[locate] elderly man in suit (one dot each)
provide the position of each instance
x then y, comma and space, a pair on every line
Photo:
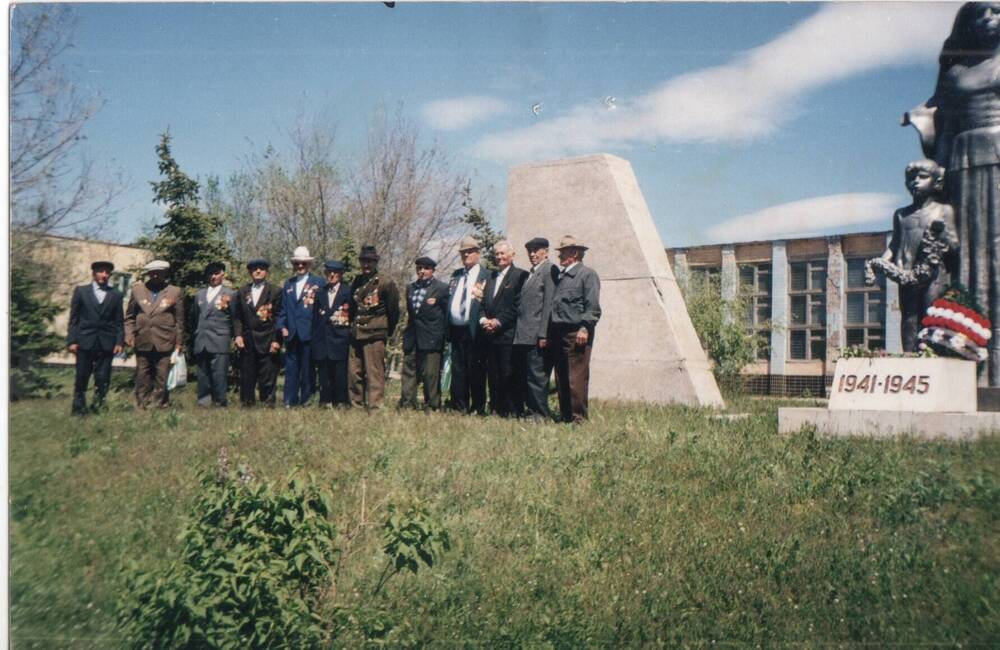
575, 311
468, 343
154, 326
257, 337
424, 336
499, 321
96, 334
215, 307
295, 318
533, 357
374, 315
331, 333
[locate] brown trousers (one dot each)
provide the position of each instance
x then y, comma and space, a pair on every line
420, 366
151, 370
572, 364
366, 373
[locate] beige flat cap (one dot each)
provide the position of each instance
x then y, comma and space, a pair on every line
157, 265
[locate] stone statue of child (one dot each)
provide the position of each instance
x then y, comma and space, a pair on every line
922, 247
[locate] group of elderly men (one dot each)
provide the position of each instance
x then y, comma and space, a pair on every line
508, 329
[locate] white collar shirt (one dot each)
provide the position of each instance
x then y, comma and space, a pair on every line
500, 277
99, 292
300, 283
213, 293
256, 290
462, 300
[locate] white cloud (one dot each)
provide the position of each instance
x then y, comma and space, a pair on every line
834, 213
460, 112
749, 97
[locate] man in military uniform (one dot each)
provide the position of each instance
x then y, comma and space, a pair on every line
374, 312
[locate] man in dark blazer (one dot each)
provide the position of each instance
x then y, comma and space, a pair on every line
96, 334
468, 343
215, 307
533, 358
331, 333
295, 319
498, 322
154, 326
424, 336
257, 337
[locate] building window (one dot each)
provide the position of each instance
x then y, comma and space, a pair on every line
807, 310
864, 316
121, 281
755, 288
699, 276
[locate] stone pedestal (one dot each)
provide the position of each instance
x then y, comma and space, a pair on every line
645, 347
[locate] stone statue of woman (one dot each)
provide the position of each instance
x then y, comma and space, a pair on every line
959, 128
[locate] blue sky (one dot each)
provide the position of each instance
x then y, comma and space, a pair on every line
742, 121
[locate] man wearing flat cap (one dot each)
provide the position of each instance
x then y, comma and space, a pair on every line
295, 318
575, 311
533, 357
469, 346
424, 336
331, 335
154, 326
374, 314
215, 307
96, 334
257, 337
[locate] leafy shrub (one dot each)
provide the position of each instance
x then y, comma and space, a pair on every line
255, 567
721, 327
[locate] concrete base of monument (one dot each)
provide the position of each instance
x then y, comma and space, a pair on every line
891, 424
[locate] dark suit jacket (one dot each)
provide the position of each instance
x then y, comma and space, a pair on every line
330, 341
155, 325
256, 322
214, 327
503, 306
475, 308
427, 328
296, 315
94, 325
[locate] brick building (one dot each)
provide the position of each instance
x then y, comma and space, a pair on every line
813, 293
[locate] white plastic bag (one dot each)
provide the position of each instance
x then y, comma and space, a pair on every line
178, 371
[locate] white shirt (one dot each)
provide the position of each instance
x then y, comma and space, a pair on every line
99, 292
562, 271
213, 293
300, 284
500, 277
255, 290
462, 300
332, 293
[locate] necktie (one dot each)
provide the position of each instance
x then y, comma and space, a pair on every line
465, 296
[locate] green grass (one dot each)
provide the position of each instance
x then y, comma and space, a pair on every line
645, 526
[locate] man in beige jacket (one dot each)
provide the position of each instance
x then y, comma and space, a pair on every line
154, 327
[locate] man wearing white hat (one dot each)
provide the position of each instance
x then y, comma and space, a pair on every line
294, 321
154, 326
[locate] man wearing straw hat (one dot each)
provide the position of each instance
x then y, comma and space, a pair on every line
575, 311
295, 316
154, 326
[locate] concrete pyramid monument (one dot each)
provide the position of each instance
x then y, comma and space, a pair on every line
645, 347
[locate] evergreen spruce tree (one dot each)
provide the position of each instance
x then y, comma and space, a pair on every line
31, 337
476, 217
189, 238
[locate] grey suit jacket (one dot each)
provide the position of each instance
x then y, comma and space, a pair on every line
535, 305
214, 329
